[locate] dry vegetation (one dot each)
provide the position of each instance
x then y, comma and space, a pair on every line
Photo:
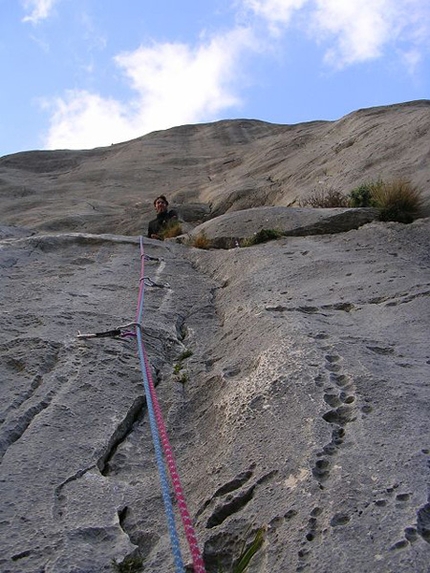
325, 198
174, 229
397, 200
200, 241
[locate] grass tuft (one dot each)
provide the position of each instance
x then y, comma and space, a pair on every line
398, 200
173, 229
248, 553
200, 241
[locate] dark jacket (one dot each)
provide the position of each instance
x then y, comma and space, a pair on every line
157, 226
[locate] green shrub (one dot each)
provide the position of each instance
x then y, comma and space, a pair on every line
263, 236
362, 196
325, 199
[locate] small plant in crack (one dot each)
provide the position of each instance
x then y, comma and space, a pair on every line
177, 368
242, 562
248, 552
185, 354
131, 564
181, 377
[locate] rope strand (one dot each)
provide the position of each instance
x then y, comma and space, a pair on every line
158, 430
174, 540
197, 558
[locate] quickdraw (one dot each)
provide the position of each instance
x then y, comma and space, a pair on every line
118, 332
149, 282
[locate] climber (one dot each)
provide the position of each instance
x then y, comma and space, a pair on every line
164, 217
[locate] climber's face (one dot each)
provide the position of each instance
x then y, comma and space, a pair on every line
160, 206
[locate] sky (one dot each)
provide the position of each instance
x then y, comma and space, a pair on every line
80, 74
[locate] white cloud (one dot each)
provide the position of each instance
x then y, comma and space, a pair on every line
360, 29
81, 120
351, 31
367, 29
174, 85
411, 60
277, 13
39, 10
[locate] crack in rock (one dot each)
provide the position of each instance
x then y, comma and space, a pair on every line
223, 511
60, 498
234, 484
14, 429
123, 429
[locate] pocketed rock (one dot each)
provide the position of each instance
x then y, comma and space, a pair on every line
304, 411
292, 375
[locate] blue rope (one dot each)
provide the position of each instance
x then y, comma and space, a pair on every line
174, 540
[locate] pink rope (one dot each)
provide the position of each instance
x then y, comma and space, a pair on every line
183, 509
196, 555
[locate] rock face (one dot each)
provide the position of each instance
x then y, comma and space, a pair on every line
292, 375
233, 229
220, 167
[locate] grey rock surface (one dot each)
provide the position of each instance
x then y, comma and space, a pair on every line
236, 227
305, 410
293, 375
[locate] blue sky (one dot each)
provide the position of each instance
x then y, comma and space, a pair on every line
79, 74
